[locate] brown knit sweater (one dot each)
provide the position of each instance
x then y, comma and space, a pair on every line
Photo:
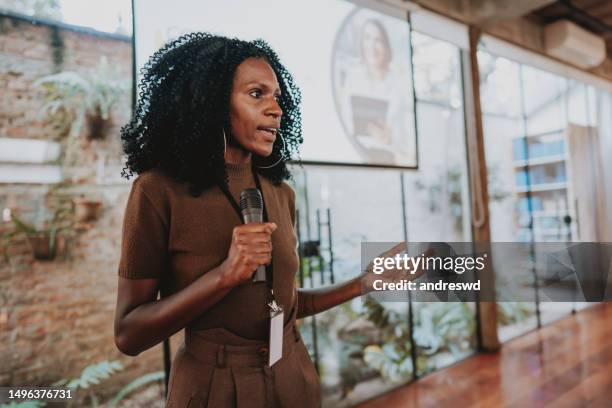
171, 236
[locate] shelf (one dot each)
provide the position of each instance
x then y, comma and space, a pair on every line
534, 188
547, 231
539, 239
539, 161
548, 133
544, 214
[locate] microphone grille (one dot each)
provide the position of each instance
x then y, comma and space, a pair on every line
250, 198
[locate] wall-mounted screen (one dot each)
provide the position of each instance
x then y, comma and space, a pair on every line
352, 63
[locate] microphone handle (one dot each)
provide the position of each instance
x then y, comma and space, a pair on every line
249, 217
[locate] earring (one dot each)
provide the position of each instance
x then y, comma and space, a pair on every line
224, 143
279, 159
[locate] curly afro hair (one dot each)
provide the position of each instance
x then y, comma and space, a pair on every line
183, 107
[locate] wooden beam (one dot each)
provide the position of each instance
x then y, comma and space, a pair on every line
487, 311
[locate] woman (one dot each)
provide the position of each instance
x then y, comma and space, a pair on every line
216, 116
378, 107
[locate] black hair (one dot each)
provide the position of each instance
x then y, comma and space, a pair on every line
183, 107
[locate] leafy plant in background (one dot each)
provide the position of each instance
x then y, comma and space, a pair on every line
448, 185
23, 404
438, 327
136, 384
514, 312
37, 8
391, 357
93, 376
445, 187
43, 241
90, 377
53, 220
443, 326
72, 99
511, 312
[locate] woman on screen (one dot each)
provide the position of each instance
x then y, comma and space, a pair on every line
377, 105
216, 116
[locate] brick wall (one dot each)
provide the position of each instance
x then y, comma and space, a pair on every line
56, 317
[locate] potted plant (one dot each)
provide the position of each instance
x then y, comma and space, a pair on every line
73, 100
42, 242
86, 208
47, 231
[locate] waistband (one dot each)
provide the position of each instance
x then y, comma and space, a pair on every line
208, 348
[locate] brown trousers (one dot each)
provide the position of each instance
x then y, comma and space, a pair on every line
215, 368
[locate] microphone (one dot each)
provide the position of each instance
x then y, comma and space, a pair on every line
251, 206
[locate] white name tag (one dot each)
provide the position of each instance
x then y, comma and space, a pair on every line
276, 335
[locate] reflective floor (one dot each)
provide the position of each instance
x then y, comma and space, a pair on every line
565, 364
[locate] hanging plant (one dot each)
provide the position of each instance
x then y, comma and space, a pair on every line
42, 242
73, 100
47, 231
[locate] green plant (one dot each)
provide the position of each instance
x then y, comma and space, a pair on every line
52, 220
90, 377
24, 404
135, 384
447, 187
391, 357
444, 326
438, 327
71, 98
514, 312
393, 363
43, 242
7, 238
93, 375
50, 9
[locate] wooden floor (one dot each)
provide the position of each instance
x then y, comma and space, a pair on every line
565, 364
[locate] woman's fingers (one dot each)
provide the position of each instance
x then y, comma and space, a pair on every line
259, 248
251, 247
254, 238
266, 227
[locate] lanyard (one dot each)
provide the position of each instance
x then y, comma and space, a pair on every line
235, 205
230, 198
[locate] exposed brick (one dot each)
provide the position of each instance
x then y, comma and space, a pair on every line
56, 317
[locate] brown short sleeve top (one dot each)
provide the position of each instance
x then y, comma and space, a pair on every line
174, 237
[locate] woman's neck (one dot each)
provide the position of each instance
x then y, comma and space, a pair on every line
237, 155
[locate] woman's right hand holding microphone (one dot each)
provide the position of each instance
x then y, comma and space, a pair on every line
251, 246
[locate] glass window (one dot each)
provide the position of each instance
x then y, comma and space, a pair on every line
438, 206
502, 124
363, 348
528, 162
355, 347
543, 97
